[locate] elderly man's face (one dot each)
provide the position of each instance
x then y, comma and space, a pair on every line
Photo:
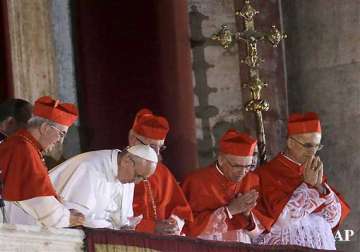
235, 167
135, 170
143, 171
51, 134
303, 146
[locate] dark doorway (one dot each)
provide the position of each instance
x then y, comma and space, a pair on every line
129, 55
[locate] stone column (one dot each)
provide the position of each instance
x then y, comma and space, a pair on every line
64, 66
32, 50
323, 60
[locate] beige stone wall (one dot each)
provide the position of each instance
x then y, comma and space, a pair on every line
323, 60
32, 49
218, 93
218, 76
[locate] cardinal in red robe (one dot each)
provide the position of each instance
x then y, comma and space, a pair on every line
159, 199
29, 194
301, 206
223, 195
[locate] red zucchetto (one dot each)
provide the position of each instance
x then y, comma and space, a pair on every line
149, 125
303, 123
236, 143
54, 110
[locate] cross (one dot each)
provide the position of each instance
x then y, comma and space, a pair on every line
227, 38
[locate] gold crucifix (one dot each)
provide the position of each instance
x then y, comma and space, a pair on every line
227, 38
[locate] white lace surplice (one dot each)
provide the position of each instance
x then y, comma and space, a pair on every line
217, 228
298, 224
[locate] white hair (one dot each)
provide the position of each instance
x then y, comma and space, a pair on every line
36, 121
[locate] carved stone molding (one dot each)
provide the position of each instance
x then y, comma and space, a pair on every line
39, 239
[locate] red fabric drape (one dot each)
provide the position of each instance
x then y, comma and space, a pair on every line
117, 64
131, 55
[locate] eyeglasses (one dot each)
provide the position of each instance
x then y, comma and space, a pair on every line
62, 133
236, 166
153, 146
309, 145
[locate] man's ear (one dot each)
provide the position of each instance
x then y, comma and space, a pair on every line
129, 160
289, 143
126, 164
43, 128
220, 159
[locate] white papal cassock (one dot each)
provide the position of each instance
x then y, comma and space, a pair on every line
88, 183
45, 211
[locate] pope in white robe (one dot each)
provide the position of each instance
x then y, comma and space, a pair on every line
100, 184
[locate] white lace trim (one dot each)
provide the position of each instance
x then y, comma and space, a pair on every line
217, 229
298, 225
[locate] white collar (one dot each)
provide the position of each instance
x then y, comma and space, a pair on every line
114, 158
289, 158
217, 168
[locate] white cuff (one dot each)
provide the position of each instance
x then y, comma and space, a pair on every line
47, 210
180, 222
228, 213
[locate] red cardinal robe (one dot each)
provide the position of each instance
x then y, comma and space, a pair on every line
23, 171
207, 190
278, 180
168, 199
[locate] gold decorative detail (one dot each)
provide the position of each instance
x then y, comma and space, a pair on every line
120, 248
255, 86
252, 59
248, 12
250, 36
224, 36
148, 189
256, 104
274, 37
